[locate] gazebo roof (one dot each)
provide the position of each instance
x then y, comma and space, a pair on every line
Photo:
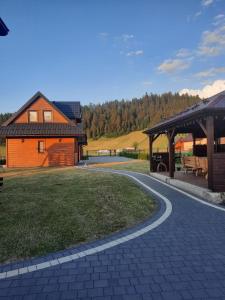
183, 121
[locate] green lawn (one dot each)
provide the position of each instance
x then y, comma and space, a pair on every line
141, 166
50, 211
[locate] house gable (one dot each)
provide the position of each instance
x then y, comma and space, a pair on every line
41, 105
38, 103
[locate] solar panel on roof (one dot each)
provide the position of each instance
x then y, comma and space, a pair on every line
70, 109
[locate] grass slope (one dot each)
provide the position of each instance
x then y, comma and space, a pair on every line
141, 166
50, 211
125, 141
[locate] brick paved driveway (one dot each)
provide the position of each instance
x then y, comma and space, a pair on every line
183, 258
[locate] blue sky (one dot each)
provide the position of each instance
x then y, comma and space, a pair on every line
98, 50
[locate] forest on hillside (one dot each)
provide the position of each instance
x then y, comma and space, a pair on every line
4, 117
115, 118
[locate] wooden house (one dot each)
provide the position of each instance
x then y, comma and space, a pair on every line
44, 133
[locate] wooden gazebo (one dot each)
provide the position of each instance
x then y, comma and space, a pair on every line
203, 120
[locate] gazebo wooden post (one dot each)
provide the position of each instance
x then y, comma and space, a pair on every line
210, 149
170, 136
194, 143
150, 152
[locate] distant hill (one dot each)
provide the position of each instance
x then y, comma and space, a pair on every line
115, 118
126, 141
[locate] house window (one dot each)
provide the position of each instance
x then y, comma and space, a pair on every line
32, 116
47, 116
41, 147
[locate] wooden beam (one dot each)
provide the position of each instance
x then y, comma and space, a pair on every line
171, 133
156, 136
210, 149
203, 127
150, 152
194, 142
170, 136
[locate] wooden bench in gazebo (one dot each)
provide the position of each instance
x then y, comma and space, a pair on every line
195, 164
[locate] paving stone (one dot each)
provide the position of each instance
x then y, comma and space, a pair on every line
68, 295
119, 290
82, 294
96, 292
101, 283
171, 296
50, 288
30, 297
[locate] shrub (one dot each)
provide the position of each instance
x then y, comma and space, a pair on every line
143, 155
2, 162
134, 155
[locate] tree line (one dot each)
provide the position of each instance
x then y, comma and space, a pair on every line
3, 118
114, 118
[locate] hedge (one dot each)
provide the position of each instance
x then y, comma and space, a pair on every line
134, 155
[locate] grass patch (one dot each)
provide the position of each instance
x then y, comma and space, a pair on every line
50, 211
141, 166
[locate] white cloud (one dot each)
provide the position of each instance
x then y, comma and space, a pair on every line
127, 37
103, 34
209, 51
183, 52
147, 83
173, 66
212, 42
198, 13
214, 37
207, 91
210, 72
207, 2
135, 53
219, 19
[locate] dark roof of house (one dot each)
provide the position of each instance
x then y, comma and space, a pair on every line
3, 29
214, 103
41, 129
70, 108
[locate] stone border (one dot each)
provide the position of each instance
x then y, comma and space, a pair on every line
173, 187
191, 188
93, 250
